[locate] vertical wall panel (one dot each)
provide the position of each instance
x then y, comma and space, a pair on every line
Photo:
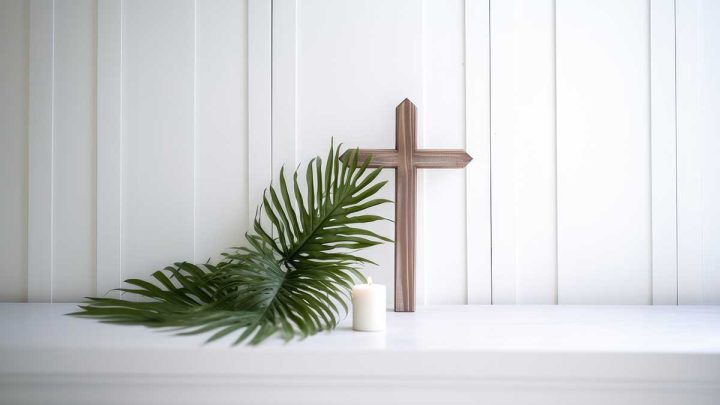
14, 26
477, 144
603, 146
698, 125
523, 152
284, 82
158, 134
443, 116
502, 51
535, 177
109, 146
711, 167
689, 151
40, 151
259, 87
221, 112
74, 150
662, 127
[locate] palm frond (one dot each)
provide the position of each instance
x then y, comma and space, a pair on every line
293, 278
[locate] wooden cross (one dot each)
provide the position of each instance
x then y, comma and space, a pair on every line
406, 158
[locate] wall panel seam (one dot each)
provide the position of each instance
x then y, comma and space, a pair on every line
555, 158
677, 233
420, 236
195, 126
52, 156
650, 143
490, 155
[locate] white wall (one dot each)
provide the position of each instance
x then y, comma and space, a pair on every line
137, 140
352, 63
569, 110
137, 133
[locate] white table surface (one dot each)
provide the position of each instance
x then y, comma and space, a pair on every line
455, 348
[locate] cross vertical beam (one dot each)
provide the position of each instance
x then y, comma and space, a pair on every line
405, 207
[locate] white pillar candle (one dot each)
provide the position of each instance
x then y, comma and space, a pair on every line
368, 301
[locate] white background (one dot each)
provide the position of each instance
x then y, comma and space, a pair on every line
136, 133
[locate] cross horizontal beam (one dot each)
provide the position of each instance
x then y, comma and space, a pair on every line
422, 159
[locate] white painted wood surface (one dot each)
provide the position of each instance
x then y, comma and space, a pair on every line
221, 113
664, 152
441, 354
698, 144
284, 86
158, 134
74, 146
109, 146
14, 29
259, 87
190, 106
40, 150
522, 86
442, 250
477, 143
603, 152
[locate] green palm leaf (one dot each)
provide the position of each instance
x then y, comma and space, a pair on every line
292, 279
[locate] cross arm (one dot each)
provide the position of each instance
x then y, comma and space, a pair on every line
441, 158
380, 157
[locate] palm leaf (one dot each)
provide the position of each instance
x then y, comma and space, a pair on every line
292, 279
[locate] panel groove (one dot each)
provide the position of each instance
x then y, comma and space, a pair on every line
52, 157
555, 157
195, 129
421, 275
490, 155
675, 117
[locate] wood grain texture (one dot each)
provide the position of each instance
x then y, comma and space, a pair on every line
405, 207
406, 159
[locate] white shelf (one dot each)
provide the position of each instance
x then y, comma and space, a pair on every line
451, 354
